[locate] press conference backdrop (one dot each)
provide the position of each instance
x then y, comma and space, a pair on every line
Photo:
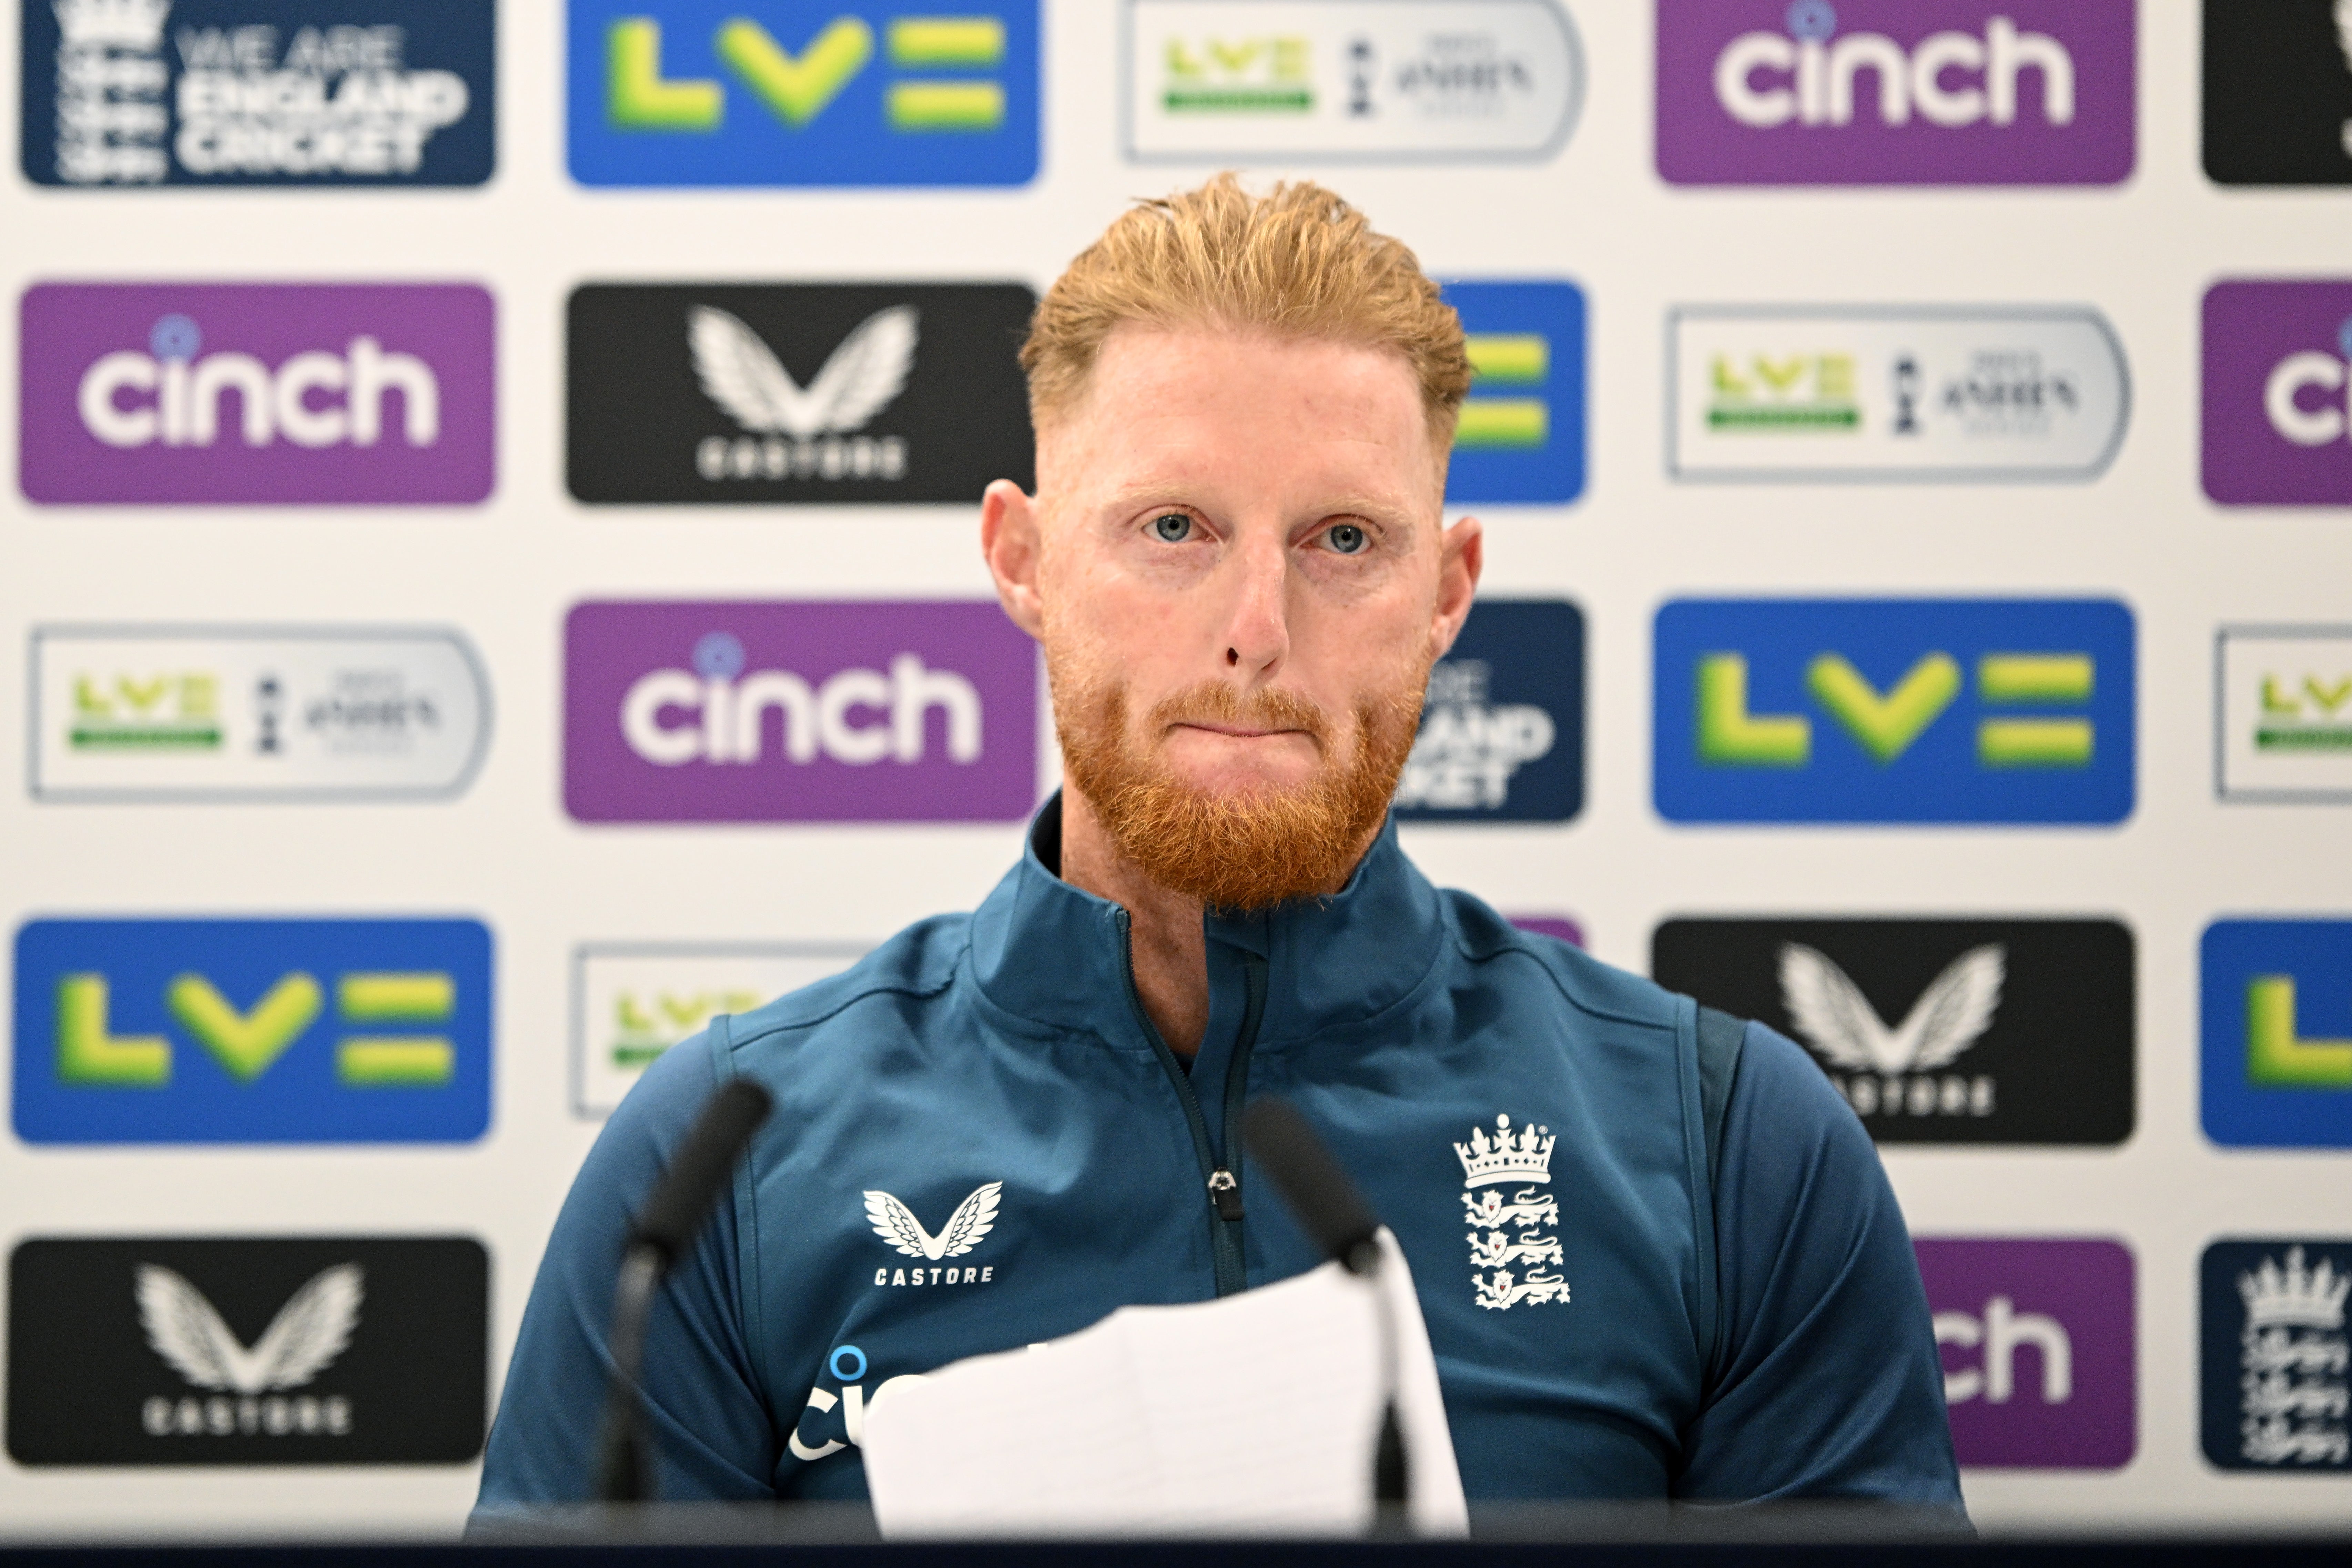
490, 572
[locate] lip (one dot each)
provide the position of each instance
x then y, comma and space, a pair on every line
1235, 731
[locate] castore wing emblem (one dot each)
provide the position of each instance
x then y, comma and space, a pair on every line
972, 1220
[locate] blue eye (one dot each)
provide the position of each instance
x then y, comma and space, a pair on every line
1347, 538
1172, 527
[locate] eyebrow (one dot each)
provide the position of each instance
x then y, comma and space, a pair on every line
1396, 509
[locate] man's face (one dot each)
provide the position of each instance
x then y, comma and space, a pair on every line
1240, 578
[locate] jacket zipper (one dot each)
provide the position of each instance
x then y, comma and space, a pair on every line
1221, 1179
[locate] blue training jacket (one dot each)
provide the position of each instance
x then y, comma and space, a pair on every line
980, 1142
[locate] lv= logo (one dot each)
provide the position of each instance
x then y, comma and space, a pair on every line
798, 87
1885, 723
247, 1043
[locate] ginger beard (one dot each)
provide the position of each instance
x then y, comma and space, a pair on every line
1235, 850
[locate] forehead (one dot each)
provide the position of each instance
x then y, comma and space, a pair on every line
1176, 402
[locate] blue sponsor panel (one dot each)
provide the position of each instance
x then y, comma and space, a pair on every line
1502, 729
1520, 439
2275, 1041
252, 1031
802, 92
1920, 710
125, 93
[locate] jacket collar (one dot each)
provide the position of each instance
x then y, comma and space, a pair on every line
1055, 955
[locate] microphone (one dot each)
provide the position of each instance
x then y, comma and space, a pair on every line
663, 1228
1336, 1218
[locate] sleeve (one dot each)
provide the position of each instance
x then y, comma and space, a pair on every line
713, 1436
1826, 1383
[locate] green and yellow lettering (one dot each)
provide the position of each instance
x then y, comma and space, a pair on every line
88, 1054
797, 89
2277, 1057
246, 1043
1886, 726
1730, 736
637, 95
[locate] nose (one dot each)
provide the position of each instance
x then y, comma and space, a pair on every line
1257, 630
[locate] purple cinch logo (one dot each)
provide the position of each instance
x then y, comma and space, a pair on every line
267, 393
1895, 91
2037, 1341
2278, 393
750, 711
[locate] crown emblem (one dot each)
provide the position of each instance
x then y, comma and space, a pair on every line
2313, 1297
126, 24
1506, 1155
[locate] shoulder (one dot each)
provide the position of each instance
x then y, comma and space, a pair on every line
1778, 1094
1503, 954
914, 966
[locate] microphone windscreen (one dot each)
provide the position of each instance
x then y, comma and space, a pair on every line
1326, 1204
705, 1158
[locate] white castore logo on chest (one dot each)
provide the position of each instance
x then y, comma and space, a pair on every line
1512, 1259
966, 1228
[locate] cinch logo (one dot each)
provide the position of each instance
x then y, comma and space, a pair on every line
2277, 377
1895, 91
174, 393
1404, 81
284, 1351
258, 92
787, 712
204, 393
1893, 711
795, 392
1955, 393
2284, 697
2276, 1391
1935, 1031
2278, 93
252, 1031
227, 712
718, 720
2277, 1033
802, 92
2037, 1343
1521, 439
1502, 725
635, 1001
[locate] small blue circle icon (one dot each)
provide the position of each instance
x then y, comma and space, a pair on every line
2344, 337
719, 656
847, 1374
175, 337
1811, 19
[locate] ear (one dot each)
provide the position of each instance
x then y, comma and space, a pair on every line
1461, 555
1008, 542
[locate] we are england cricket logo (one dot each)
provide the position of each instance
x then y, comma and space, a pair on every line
769, 393
126, 93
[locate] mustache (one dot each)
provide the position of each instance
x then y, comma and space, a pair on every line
1218, 703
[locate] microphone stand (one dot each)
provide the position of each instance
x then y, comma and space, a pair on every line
658, 1236
625, 1463
1335, 1216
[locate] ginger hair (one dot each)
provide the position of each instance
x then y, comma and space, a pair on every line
1295, 262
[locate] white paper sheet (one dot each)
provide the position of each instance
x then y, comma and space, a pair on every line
1253, 1415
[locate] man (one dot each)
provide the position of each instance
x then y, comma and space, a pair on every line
1656, 1252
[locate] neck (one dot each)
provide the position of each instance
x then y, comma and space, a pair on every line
1170, 954
1168, 950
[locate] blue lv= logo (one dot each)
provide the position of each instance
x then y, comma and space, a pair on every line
797, 88
247, 1043
1886, 724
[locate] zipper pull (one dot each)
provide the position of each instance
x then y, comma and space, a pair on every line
1226, 1194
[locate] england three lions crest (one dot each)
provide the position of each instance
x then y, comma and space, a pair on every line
1512, 1259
